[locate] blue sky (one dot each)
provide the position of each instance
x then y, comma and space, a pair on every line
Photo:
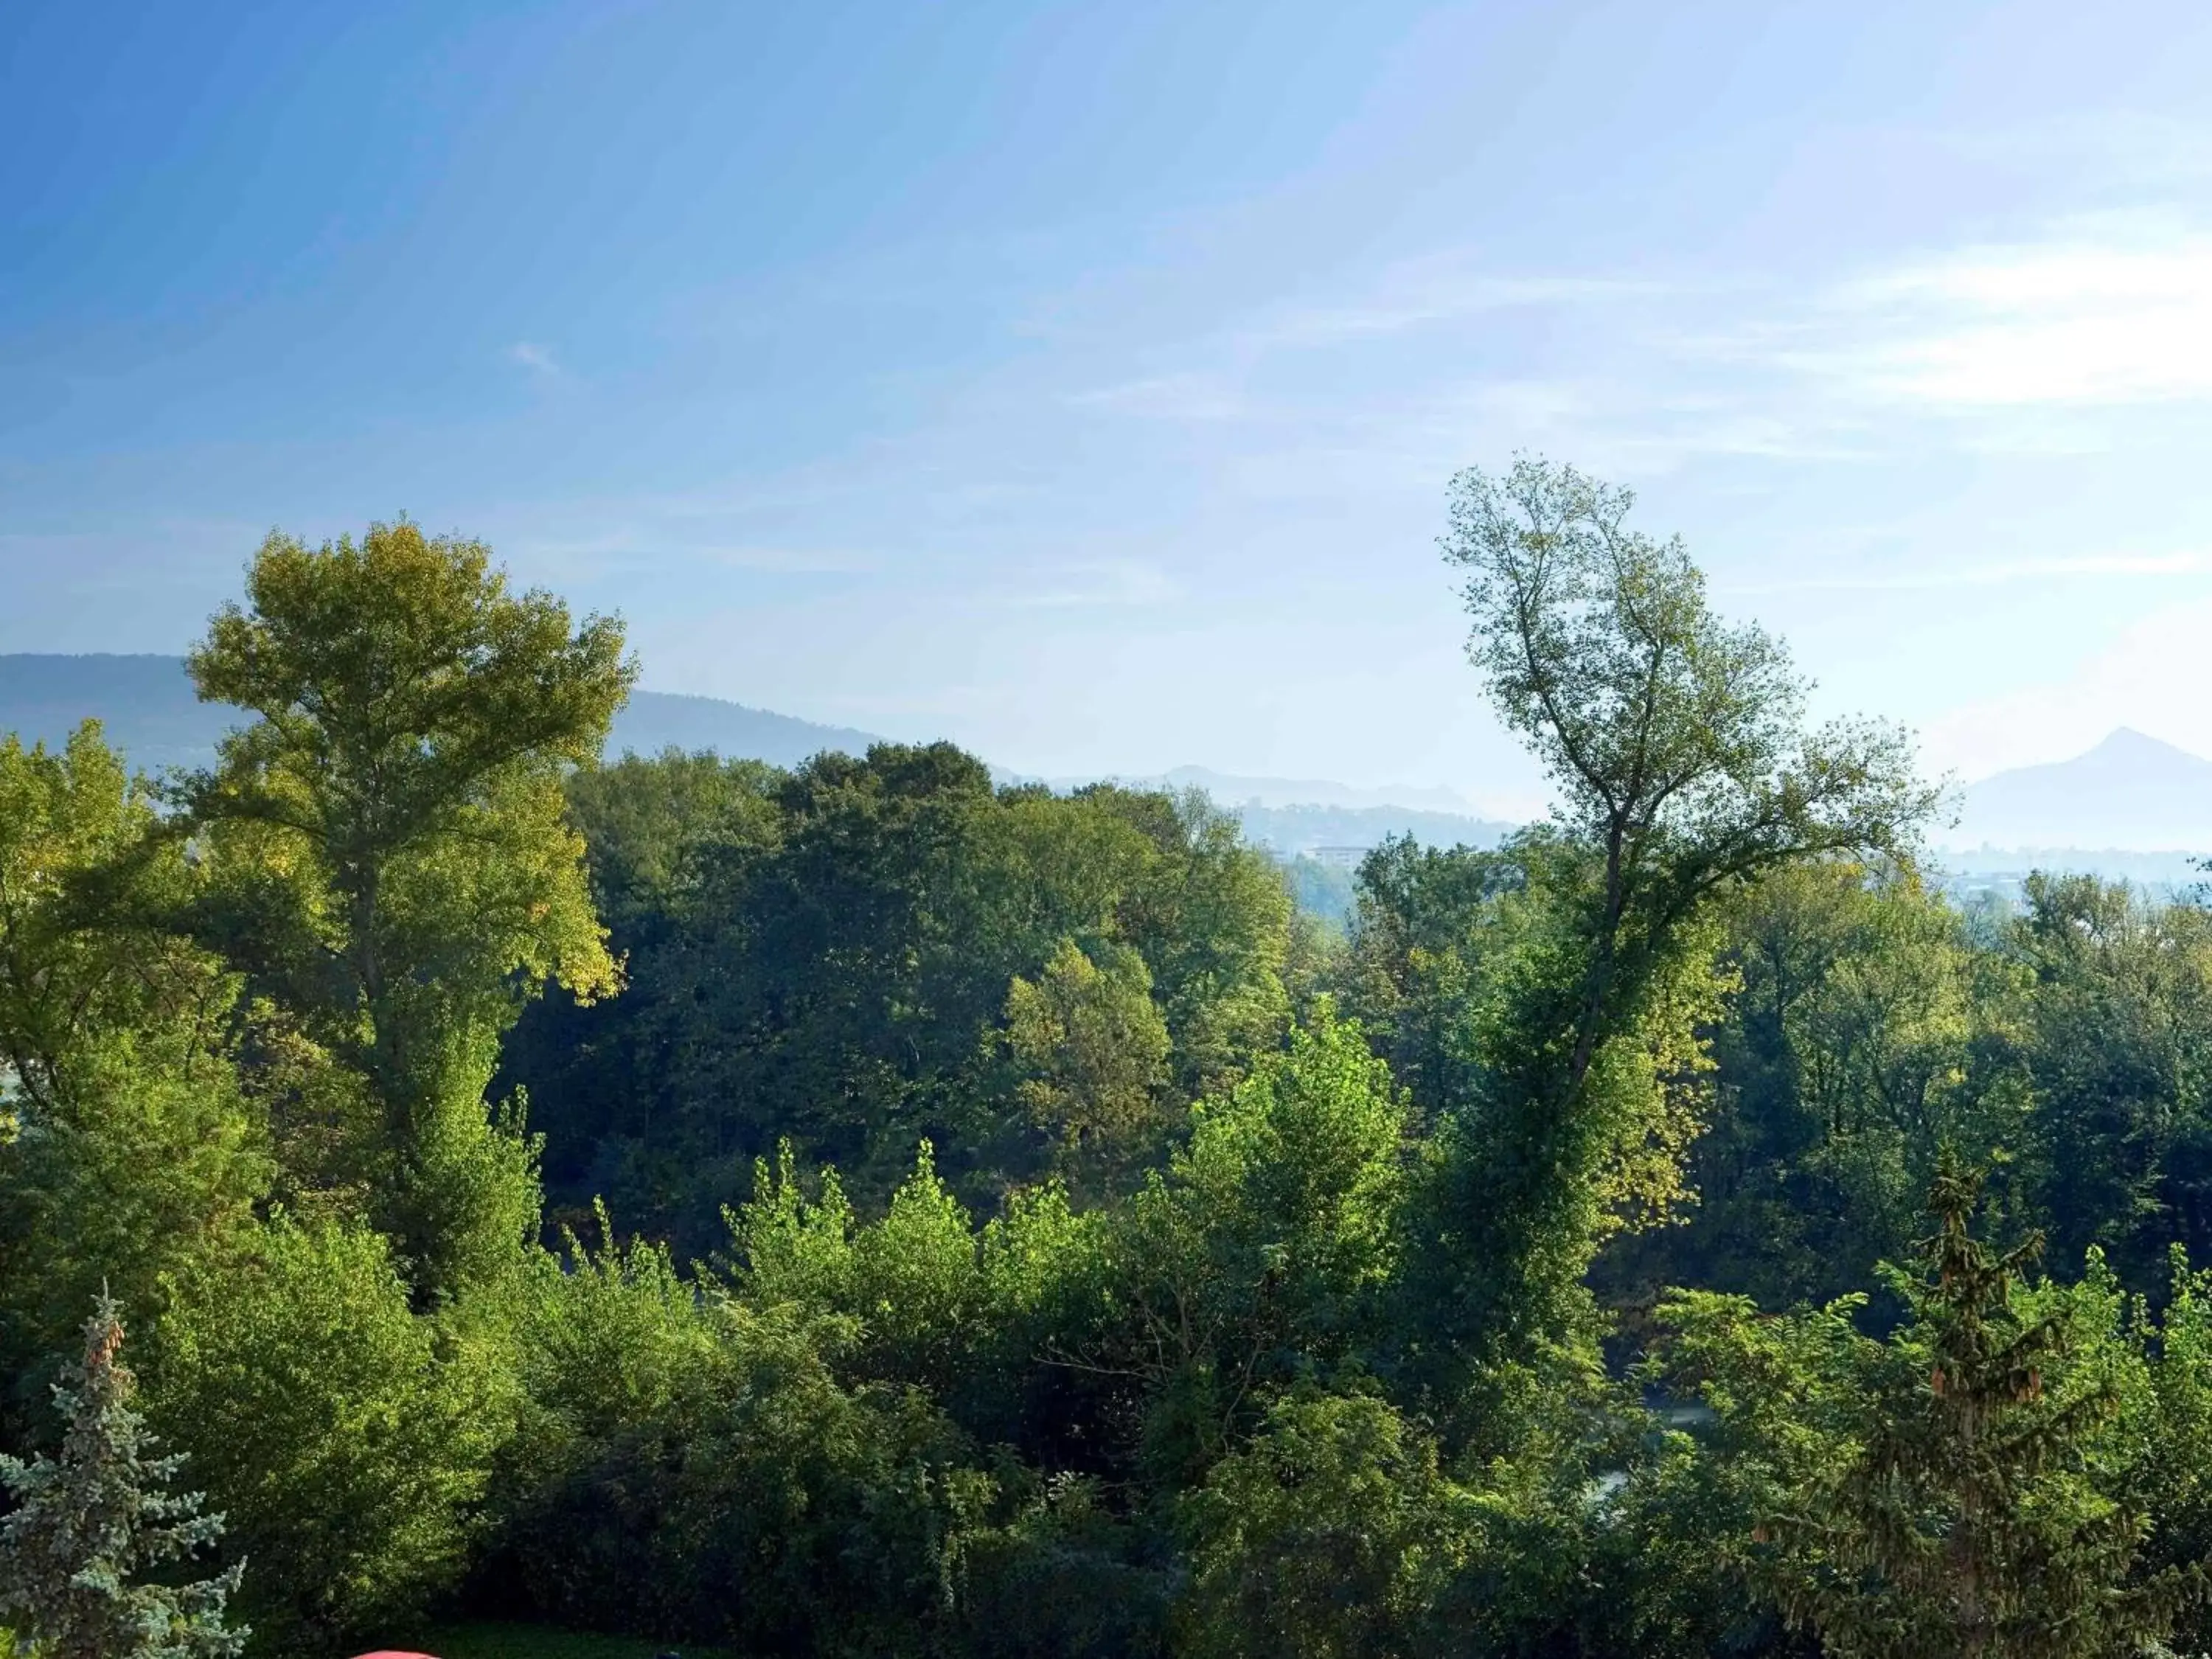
1082, 381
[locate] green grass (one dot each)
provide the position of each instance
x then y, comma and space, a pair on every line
539, 1641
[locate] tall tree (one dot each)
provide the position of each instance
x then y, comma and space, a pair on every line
92, 1521
416, 718
127, 1147
1959, 1488
1684, 766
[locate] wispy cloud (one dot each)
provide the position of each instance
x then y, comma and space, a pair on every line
1191, 396
1208, 378
2113, 152
2093, 315
1100, 582
1423, 293
536, 358
2102, 567
2088, 314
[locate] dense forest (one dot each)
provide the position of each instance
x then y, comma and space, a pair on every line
857, 1209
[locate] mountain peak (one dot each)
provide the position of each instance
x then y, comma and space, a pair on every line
2132, 792
2126, 741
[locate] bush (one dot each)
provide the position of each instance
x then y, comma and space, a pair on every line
345, 1440
1064, 1578
1320, 1537
689, 1466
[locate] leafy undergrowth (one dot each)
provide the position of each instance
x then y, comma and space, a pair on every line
488, 1641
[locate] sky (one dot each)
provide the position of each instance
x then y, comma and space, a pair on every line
1083, 382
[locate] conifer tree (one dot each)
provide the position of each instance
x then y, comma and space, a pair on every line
90, 1522
1970, 1523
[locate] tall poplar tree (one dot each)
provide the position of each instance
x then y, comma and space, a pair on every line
403, 785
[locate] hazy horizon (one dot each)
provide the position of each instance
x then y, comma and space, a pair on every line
2128, 797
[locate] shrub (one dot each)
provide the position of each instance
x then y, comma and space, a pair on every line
346, 1438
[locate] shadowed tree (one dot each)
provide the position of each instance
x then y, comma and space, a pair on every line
1962, 1488
1966, 1525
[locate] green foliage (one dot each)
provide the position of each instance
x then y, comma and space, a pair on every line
606, 1338
346, 1439
2119, 1042
2166, 1415
789, 1248
1469, 992
1063, 1577
1210, 917
1128, 1266
127, 1148
911, 1282
1866, 1030
1432, 936
1291, 1182
1266, 1248
1950, 1490
90, 1522
1679, 747
80, 874
724, 1486
1095, 1049
618, 1362
837, 1513
150, 1173
2065, 1049
1338, 1530
1328, 1537
867, 953
922, 1296
403, 868
653, 825
917, 1283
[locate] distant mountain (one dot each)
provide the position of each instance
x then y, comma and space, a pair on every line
655, 720
145, 704
150, 712
1236, 790
1232, 790
1312, 817
1336, 833
2131, 793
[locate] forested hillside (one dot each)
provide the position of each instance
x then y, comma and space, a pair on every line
856, 1208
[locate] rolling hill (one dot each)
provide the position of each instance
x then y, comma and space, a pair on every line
150, 714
